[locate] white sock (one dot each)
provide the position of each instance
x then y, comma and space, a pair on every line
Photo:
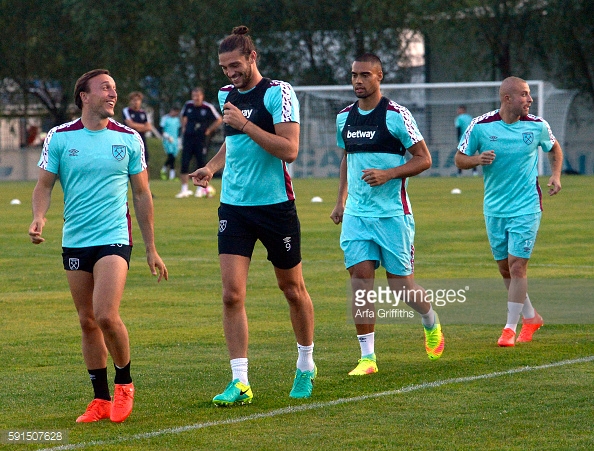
171, 174
184, 187
239, 367
513, 315
428, 319
305, 360
164, 168
528, 311
367, 343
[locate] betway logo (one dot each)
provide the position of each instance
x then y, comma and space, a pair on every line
360, 134
247, 113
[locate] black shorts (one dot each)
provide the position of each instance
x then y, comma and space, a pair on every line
84, 258
276, 226
194, 146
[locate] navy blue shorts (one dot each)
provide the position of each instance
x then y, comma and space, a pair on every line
84, 258
276, 226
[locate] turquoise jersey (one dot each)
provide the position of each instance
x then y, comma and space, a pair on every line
251, 175
391, 198
511, 181
94, 168
171, 126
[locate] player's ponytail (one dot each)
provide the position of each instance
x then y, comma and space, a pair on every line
239, 39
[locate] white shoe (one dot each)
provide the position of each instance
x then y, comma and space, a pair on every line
183, 194
200, 192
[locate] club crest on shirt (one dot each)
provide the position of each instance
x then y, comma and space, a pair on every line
118, 151
528, 137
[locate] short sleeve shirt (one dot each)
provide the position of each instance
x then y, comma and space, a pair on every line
252, 176
94, 169
511, 181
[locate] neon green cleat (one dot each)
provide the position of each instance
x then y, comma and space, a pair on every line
236, 393
434, 340
366, 365
303, 383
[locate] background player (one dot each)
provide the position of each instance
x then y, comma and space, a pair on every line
136, 118
462, 121
200, 120
170, 125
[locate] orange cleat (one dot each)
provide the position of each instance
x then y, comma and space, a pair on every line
507, 338
529, 326
98, 409
123, 401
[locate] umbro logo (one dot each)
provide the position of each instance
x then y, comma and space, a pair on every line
73, 152
492, 138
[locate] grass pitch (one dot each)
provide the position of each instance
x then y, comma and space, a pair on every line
477, 396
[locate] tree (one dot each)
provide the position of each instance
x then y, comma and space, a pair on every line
485, 39
566, 44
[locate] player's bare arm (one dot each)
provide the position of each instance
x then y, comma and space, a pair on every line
464, 161
338, 212
41, 200
202, 176
556, 161
420, 161
283, 144
143, 207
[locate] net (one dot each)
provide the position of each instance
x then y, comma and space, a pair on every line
434, 107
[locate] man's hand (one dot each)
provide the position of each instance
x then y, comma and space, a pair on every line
232, 116
337, 214
201, 177
554, 184
35, 230
156, 265
486, 158
375, 177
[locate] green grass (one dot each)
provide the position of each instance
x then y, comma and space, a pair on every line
179, 358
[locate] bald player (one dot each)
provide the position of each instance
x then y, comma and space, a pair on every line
505, 143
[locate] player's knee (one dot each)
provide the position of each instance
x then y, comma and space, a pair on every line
294, 292
108, 322
87, 323
233, 298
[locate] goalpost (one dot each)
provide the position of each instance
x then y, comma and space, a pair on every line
433, 106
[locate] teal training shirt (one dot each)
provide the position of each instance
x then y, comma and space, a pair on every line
511, 181
391, 198
251, 175
94, 169
462, 122
171, 125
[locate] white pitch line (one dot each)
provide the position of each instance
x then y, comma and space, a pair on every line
317, 405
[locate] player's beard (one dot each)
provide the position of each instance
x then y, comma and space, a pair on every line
244, 79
